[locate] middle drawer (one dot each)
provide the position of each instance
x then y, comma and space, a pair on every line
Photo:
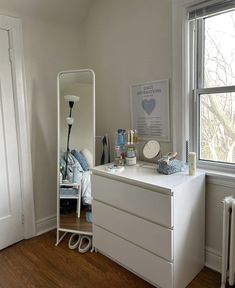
148, 235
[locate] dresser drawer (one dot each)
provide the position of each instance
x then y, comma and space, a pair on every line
143, 263
145, 203
150, 236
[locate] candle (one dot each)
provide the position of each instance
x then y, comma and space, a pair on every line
192, 163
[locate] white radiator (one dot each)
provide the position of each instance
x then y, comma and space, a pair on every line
228, 242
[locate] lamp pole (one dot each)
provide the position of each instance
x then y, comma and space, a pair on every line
70, 124
71, 99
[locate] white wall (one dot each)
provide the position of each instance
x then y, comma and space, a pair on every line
126, 42
49, 47
217, 186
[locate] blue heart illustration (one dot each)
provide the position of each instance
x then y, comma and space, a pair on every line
148, 105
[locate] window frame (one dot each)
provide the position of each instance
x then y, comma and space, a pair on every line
196, 70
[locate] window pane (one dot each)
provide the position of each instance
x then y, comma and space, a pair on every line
217, 127
219, 53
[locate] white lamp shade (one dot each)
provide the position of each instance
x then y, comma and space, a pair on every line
69, 120
71, 98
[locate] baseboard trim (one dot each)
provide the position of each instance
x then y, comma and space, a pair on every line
213, 259
46, 224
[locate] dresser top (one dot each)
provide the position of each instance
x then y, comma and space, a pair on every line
145, 175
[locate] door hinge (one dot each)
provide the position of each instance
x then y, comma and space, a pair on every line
22, 218
10, 51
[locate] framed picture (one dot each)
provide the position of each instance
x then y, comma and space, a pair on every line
150, 110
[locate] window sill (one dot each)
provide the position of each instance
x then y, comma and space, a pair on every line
226, 179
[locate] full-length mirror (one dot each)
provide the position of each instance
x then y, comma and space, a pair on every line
76, 151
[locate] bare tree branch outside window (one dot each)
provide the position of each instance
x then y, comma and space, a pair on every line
217, 111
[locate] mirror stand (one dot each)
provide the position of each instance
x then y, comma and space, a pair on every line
75, 153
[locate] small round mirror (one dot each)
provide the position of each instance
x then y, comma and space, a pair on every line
151, 149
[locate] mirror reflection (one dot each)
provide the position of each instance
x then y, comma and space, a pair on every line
76, 151
79, 84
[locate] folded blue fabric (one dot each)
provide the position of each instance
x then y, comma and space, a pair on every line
81, 159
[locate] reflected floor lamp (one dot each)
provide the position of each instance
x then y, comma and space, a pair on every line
71, 99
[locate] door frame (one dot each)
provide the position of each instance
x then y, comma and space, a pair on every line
14, 27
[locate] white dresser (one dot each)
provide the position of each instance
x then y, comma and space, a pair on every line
150, 223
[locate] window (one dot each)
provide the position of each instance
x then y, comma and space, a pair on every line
212, 42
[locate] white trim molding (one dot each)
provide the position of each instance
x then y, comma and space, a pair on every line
14, 27
221, 179
213, 259
46, 224
180, 81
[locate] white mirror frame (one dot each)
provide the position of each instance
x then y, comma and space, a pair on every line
58, 129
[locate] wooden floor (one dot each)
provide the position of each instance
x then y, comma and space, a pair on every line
39, 263
72, 222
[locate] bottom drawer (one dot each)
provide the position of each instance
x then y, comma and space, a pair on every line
150, 236
145, 264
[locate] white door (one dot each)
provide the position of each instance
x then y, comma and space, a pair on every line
11, 227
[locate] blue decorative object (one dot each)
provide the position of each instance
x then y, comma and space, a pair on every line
148, 105
169, 167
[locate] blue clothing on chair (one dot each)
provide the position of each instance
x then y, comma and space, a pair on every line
72, 163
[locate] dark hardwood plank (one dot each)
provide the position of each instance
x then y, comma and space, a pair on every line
206, 279
38, 263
